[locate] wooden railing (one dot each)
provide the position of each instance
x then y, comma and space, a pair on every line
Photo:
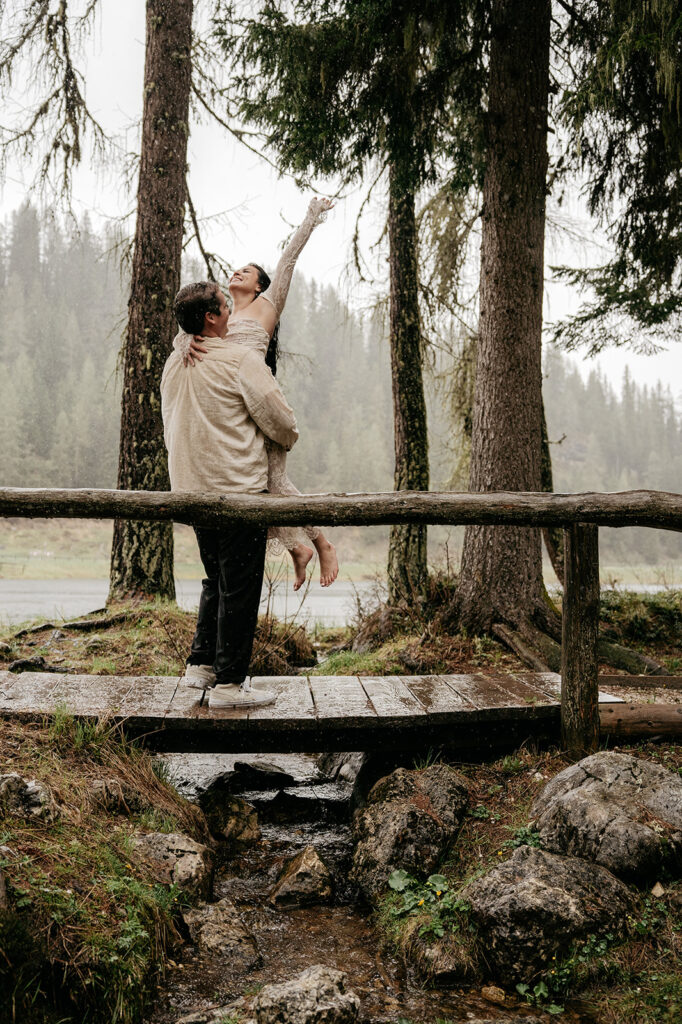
580, 515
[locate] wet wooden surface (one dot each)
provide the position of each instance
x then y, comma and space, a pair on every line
311, 713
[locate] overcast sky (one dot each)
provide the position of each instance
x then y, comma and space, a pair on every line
224, 176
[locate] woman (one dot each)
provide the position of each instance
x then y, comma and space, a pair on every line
257, 305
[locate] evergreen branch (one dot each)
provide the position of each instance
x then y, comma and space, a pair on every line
238, 133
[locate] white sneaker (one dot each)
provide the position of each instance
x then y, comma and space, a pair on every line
232, 695
198, 676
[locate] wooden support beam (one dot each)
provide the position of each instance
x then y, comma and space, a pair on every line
579, 664
510, 508
627, 720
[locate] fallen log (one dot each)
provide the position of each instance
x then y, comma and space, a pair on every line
618, 720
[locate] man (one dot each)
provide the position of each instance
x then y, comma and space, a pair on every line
216, 417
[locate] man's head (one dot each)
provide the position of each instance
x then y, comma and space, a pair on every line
201, 308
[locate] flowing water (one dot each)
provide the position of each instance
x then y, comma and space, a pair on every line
340, 936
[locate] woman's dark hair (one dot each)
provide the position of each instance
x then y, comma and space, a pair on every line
193, 302
272, 354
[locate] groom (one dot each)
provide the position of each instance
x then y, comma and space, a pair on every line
216, 416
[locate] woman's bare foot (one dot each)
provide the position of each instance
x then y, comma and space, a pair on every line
300, 556
329, 565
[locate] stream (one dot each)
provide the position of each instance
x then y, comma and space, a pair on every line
314, 811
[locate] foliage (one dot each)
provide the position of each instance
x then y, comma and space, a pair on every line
622, 107
445, 910
644, 618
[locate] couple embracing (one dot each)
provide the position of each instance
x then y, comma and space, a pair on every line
228, 427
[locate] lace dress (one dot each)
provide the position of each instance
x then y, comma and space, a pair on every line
250, 332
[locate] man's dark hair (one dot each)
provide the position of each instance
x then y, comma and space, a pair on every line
193, 302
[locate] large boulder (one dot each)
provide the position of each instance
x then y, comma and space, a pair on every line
218, 928
175, 858
304, 881
27, 798
533, 906
410, 820
319, 995
616, 810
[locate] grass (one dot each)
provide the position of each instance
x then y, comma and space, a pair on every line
87, 926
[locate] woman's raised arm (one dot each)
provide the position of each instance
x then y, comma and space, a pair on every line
278, 289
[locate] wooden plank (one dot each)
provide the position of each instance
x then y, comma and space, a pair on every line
39, 693
522, 692
580, 629
391, 697
484, 692
642, 682
340, 697
294, 704
548, 684
437, 695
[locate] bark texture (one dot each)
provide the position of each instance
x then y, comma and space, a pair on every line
142, 552
579, 661
629, 508
407, 544
501, 573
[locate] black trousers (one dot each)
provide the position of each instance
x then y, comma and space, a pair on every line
234, 560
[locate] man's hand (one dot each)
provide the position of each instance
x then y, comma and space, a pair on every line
196, 346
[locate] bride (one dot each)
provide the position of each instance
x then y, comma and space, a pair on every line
257, 305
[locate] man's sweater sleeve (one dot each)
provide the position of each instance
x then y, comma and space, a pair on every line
266, 404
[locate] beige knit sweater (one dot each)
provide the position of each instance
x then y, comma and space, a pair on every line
216, 416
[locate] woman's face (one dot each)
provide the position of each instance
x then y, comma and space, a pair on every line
245, 281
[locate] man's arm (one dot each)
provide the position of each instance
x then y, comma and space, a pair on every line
266, 404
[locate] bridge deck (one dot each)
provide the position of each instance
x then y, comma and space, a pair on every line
311, 713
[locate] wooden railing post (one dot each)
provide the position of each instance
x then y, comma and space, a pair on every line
579, 665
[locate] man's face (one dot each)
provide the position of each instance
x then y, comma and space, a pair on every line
215, 324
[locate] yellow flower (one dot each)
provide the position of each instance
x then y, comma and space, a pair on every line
421, 903
438, 892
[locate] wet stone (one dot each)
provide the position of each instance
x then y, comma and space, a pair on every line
305, 881
319, 995
619, 811
410, 820
175, 858
533, 906
218, 928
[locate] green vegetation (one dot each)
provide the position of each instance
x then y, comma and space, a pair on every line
88, 924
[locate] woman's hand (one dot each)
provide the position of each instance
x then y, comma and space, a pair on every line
196, 346
319, 206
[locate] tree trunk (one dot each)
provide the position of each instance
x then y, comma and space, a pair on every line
553, 536
501, 573
142, 553
407, 546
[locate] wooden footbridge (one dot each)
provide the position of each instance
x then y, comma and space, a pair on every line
316, 713
352, 713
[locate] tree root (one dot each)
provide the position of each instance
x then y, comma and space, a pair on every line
541, 652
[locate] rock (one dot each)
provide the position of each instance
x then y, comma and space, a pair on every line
536, 904
217, 1014
410, 820
619, 811
493, 994
5, 650
36, 664
117, 797
217, 927
304, 881
231, 817
57, 634
27, 798
260, 775
95, 643
319, 995
175, 858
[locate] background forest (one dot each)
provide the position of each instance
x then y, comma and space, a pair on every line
62, 310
